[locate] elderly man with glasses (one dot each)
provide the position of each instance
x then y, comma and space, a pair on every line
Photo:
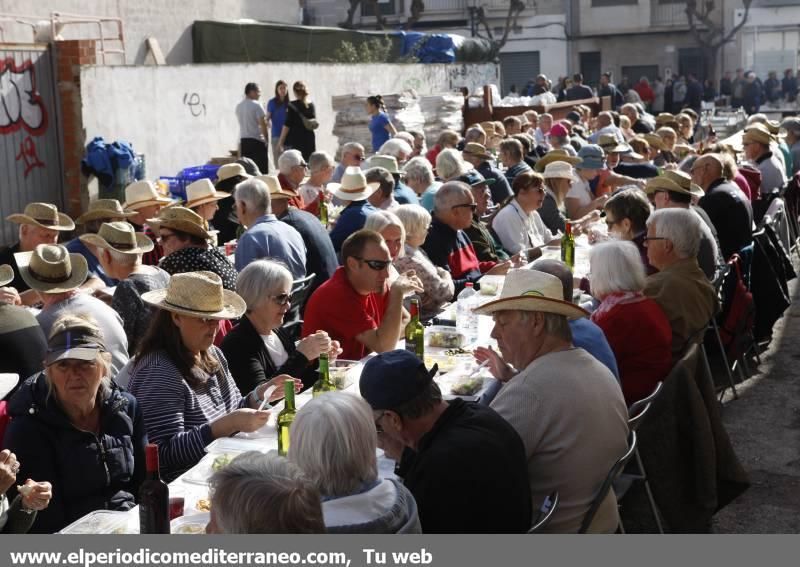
447, 245
353, 154
293, 171
680, 287
357, 306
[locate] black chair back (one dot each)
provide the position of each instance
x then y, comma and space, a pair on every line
545, 513
300, 290
639, 409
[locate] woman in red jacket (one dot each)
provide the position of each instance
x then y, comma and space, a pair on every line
637, 329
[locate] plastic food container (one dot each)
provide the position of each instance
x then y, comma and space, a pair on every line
102, 522
235, 445
444, 337
446, 362
343, 373
190, 525
208, 465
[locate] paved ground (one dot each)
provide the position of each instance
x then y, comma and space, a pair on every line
764, 427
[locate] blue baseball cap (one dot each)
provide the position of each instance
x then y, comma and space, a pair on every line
592, 157
391, 379
473, 178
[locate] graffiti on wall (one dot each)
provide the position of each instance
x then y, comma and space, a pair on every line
196, 106
21, 107
27, 153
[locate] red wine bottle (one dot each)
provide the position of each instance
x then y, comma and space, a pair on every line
153, 497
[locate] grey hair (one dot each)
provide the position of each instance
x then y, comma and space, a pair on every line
262, 494
407, 137
418, 169
450, 164
616, 266
289, 159
124, 259
381, 176
319, 161
474, 133
255, 194
333, 440
351, 147
380, 220
396, 147
259, 279
679, 226
554, 324
415, 218
448, 193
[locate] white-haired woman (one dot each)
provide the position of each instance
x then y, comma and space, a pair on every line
334, 442
258, 350
618, 278
419, 176
450, 165
73, 427
438, 282
320, 168
263, 494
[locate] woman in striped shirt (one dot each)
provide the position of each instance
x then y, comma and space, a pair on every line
182, 380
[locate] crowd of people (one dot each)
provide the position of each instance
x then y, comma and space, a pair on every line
141, 329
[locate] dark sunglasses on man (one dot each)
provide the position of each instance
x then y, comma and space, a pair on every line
376, 265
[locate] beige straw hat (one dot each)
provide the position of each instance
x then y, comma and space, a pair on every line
142, 194
121, 237
477, 150
655, 141
555, 155
44, 215
201, 192
558, 170
50, 268
231, 170
6, 274
389, 163
757, 133
532, 290
663, 183
199, 294
354, 186
685, 181
108, 209
611, 145
274, 186
181, 219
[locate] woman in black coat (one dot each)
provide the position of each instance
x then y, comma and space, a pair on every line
73, 427
257, 349
301, 121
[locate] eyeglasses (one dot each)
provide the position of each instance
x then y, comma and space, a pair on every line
378, 426
162, 238
472, 206
376, 265
359, 158
281, 299
208, 321
650, 238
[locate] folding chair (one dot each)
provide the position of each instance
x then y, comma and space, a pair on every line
636, 414
545, 513
722, 273
300, 289
615, 471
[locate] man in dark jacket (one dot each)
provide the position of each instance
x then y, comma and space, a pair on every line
694, 93
486, 246
727, 207
753, 94
607, 88
477, 155
464, 464
579, 91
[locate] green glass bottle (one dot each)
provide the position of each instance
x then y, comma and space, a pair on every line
323, 211
286, 417
568, 247
324, 383
415, 332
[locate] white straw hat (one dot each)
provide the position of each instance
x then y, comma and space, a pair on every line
201, 192
532, 290
559, 170
231, 170
6, 274
183, 220
50, 268
108, 209
142, 194
120, 237
198, 294
354, 186
44, 215
274, 186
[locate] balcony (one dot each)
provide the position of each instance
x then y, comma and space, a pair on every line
668, 14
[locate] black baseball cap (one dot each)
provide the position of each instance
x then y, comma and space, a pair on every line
78, 343
391, 379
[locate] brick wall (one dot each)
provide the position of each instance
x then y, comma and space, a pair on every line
70, 55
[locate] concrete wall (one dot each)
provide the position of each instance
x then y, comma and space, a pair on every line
169, 21
613, 19
180, 116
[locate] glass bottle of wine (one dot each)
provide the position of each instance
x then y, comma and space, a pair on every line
324, 383
153, 496
286, 417
323, 210
568, 247
415, 332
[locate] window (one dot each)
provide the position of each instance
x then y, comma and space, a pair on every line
517, 68
606, 3
386, 8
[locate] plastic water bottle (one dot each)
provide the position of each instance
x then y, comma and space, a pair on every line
466, 320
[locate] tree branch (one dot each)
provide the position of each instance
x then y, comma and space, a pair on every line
714, 36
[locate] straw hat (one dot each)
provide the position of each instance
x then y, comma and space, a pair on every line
354, 186
773, 126
663, 183
389, 163
757, 133
143, 194
120, 237
555, 155
231, 170
274, 186
559, 170
6, 274
50, 268
477, 150
532, 290
44, 215
667, 119
104, 209
199, 294
183, 220
611, 145
655, 141
201, 192
684, 180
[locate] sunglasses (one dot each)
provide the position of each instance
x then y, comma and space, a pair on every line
281, 299
650, 238
376, 265
359, 158
472, 206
